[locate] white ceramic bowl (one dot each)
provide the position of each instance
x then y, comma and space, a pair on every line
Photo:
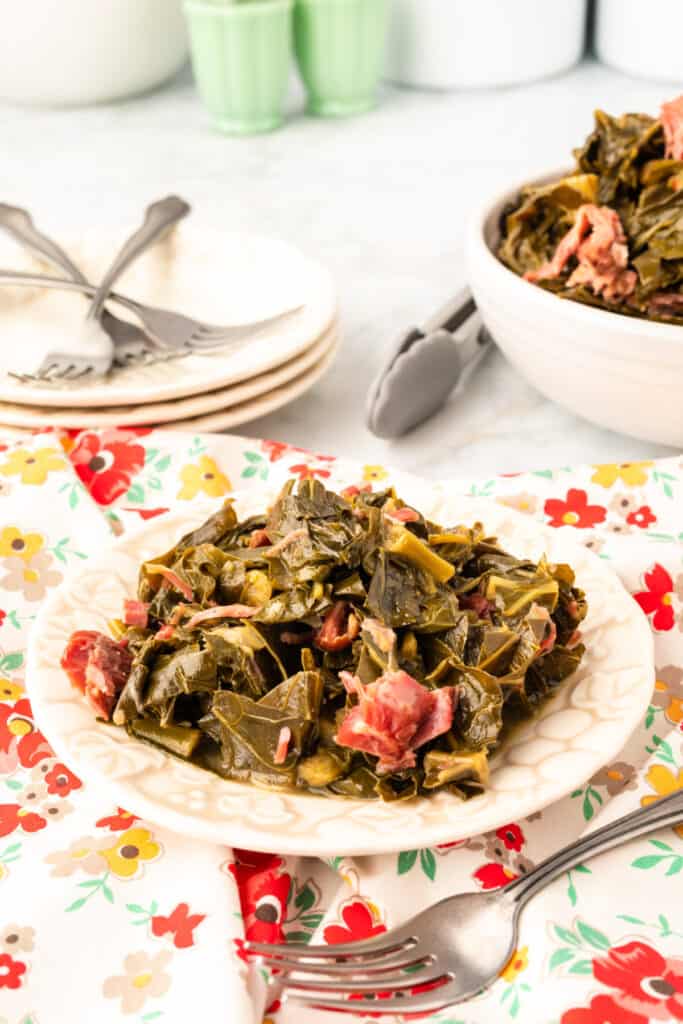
74, 52
641, 39
451, 44
618, 371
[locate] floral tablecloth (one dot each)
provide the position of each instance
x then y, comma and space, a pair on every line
104, 917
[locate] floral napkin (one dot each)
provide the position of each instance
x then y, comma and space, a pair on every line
106, 917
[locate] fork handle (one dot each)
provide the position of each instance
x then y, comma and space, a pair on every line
158, 218
665, 812
19, 224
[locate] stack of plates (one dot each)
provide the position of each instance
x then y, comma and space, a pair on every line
218, 278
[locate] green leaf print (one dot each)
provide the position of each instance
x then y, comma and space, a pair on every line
136, 494
406, 860
561, 956
581, 967
11, 662
592, 936
428, 864
305, 898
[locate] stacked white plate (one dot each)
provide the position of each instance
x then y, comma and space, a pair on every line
218, 278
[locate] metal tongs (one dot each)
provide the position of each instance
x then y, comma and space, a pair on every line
424, 367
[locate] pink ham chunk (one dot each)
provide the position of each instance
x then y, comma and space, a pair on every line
98, 667
671, 116
394, 716
598, 242
135, 613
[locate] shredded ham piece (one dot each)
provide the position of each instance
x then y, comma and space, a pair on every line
598, 242
574, 640
294, 535
354, 490
404, 515
280, 755
259, 539
222, 611
394, 716
98, 667
477, 603
666, 302
671, 115
164, 632
135, 613
172, 578
339, 629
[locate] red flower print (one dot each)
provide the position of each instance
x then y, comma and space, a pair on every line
180, 923
512, 836
11, 971
3, 616
642, 517
263, 894
305, 472
358, 923
657, 597
646, 983
574, 511
118, 822
107, 462
60, 781
602, 1010
17, 731
493, 875
12, 817
274, 449
146, 513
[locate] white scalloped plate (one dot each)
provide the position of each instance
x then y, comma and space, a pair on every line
584, 726
234, 403
219, 277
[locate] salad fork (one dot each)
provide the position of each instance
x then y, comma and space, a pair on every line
92, 354
169, 330
131, 343
453, 950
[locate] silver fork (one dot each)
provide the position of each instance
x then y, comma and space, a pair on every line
169, 330
131, 344
92, 353
460, 944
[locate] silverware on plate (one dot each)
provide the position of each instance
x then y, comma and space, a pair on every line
460, 944
425, 366
168, 330
92, 354
131, 344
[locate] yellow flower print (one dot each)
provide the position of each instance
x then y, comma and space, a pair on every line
518, 962
9, 691
14, 543
144, 978
630, 473
33, 466
133, 846
664, 783
204, 476
371, 473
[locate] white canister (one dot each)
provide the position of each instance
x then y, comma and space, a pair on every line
450, 44
74, 52
641, 38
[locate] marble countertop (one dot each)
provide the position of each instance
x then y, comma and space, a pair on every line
382, 200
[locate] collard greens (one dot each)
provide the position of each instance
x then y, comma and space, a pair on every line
339, 643
626, 187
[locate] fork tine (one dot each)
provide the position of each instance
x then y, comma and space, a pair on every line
380, 946
351, 968
423, 1002
394, 982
